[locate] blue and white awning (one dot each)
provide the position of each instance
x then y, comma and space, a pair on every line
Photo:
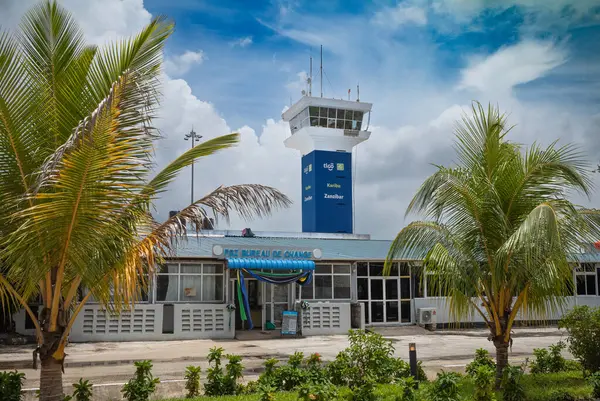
273, 264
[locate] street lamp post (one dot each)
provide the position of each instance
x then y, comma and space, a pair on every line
194, 137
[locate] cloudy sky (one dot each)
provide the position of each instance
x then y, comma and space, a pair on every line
234, 65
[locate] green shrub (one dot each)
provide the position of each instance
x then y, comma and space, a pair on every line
337, 370
270, 376
143, 385
364, 391
215, 378
291, 375
11, 384
512, 384
82, 390
251, 387
549, 362
223, 383
369, 354
594, 381
484, 378
398, 369
408, 389
445, 387
582, 324
482, 358
234, 371
266, 392
192, 381
557, 363
315, 373
317, 392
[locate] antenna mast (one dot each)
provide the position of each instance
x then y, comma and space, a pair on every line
321, 70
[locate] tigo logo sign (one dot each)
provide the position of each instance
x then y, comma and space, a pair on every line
328, 166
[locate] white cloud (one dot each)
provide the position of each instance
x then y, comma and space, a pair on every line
401, 14
242, 42
511, 66
182, 63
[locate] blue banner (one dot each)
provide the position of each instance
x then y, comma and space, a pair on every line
327, 192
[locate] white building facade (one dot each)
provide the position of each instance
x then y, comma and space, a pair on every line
194, 295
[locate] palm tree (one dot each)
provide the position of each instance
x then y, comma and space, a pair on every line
499, 227
76, 175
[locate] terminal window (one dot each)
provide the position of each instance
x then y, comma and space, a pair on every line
586, 280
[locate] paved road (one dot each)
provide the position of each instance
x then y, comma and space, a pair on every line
112, 362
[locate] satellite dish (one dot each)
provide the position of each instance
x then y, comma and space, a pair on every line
303, 92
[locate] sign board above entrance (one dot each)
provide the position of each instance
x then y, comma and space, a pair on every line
267, 252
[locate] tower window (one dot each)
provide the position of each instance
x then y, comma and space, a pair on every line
314, 111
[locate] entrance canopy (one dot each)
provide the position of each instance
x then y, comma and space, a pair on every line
270, 264
272, 271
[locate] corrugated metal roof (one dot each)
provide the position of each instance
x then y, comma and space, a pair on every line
332, 249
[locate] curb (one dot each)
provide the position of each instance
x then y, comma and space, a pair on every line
28, 364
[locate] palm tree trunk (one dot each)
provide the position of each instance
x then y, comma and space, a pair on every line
51, 386
501, 357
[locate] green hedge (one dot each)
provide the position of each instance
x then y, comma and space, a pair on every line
538, 387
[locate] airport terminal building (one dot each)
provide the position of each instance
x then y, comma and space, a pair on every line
220, 283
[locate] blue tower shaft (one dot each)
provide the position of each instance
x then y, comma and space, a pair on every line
327, 192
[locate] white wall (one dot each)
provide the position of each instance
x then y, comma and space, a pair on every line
145, 323
325, 318
443, 315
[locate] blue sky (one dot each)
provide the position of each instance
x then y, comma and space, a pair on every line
248, 84
234, 65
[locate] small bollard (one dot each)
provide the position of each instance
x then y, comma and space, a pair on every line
412, 357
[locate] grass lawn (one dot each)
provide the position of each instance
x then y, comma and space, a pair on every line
537, 388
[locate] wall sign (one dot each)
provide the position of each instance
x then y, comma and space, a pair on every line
233, 251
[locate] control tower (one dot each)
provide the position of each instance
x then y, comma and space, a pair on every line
325, 131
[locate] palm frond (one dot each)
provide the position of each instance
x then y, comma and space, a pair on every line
166, 176
84, 186
142, 53
57, 60
16, 147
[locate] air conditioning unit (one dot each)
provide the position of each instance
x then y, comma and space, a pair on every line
427, 317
